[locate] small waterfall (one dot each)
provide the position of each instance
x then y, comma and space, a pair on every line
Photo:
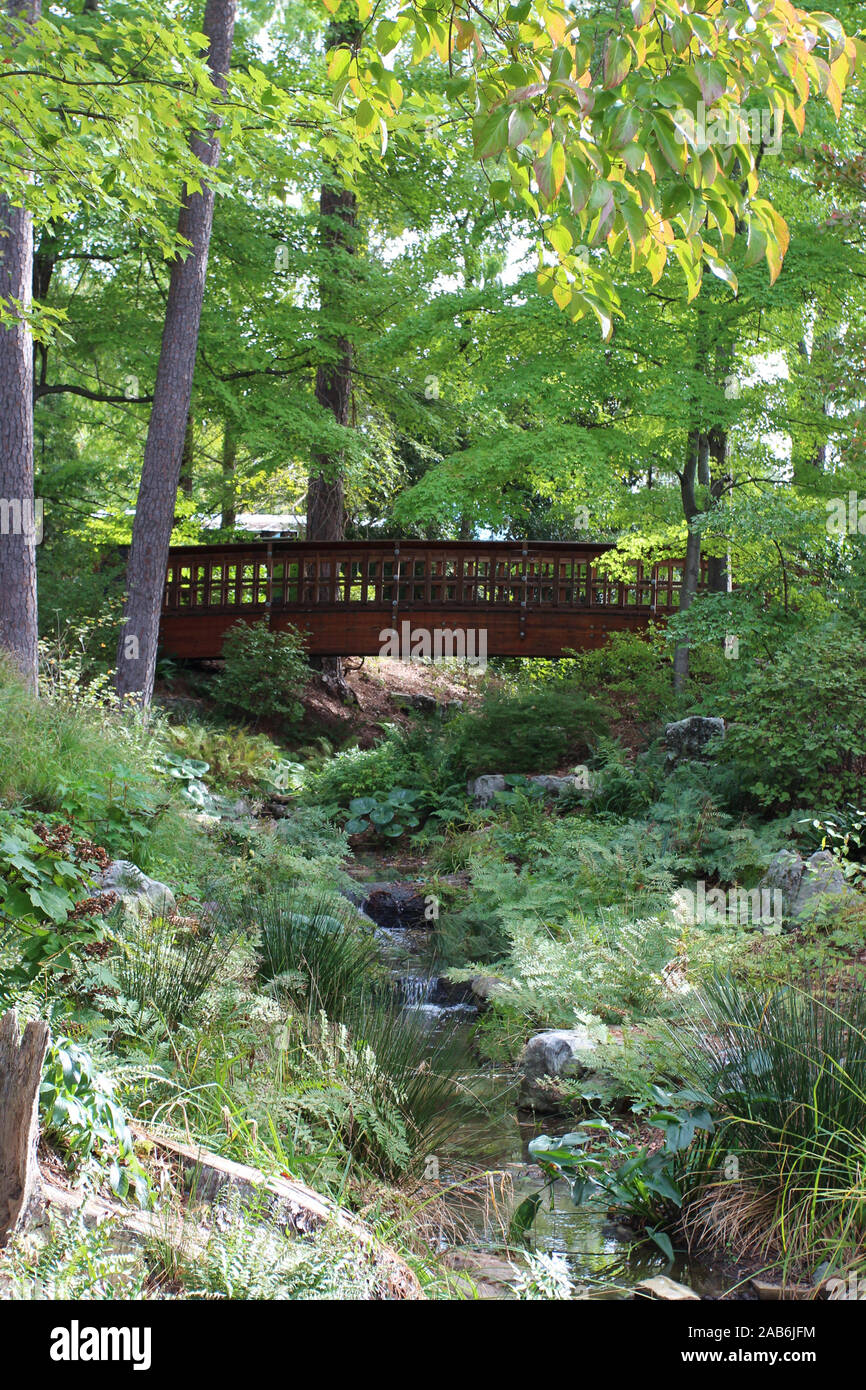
416, 990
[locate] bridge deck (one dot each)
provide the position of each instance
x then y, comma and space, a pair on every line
534, 598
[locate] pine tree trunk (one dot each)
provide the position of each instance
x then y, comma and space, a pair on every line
692, 569
20, 1074
326, 517
19, 619
154, 514
229, 465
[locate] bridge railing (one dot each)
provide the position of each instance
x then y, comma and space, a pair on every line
402, 575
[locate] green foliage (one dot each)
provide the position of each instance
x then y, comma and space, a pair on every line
797, 719
356, 772
76, 1261
527, 729
544, 1277
165, 965
391, 818
264, 672
79, 1108
46, 882
311, 953
844, 834
233, 756
246, 1258
603, 1163
379, 1086
86, 761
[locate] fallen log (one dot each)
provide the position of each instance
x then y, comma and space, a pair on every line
291, 1205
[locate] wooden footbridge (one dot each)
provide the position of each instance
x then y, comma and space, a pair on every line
530, 598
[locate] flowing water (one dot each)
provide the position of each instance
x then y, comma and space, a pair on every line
600, 1256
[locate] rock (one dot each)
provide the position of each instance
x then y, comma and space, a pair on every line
556, 785
393, 905
687, 738
557, 1052
806, 883
486, 987
483, 789
409, 699
449, 992
785, 873
660, 1286
125, 878
481, 1275
822, 878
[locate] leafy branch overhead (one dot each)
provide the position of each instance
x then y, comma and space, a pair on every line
598, 125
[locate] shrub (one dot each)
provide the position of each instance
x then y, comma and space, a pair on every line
530, 729
797, 719
264, 672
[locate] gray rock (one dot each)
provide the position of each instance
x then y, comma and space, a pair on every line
785, 873
553, 785
126, 879
486, 987
557, 1052
409, 699
822, 878
687, 738
805, 883
483, 789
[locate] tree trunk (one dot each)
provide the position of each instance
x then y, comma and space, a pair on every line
718, 566
326, 516
20, 1074
692, 569
19, 619
229, 464
154, 514
187, 457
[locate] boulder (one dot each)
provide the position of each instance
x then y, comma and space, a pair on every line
486, 987
483, 789
804, 884
393, 905
556, 1052
555, 785
822, 878
412, 700
128, 881
687, 738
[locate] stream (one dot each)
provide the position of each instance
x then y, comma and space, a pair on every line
601, 1258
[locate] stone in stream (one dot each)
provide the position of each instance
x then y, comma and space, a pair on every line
393, 905
557, 1052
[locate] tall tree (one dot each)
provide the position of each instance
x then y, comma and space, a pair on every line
163, 453
19, 630
326, 513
